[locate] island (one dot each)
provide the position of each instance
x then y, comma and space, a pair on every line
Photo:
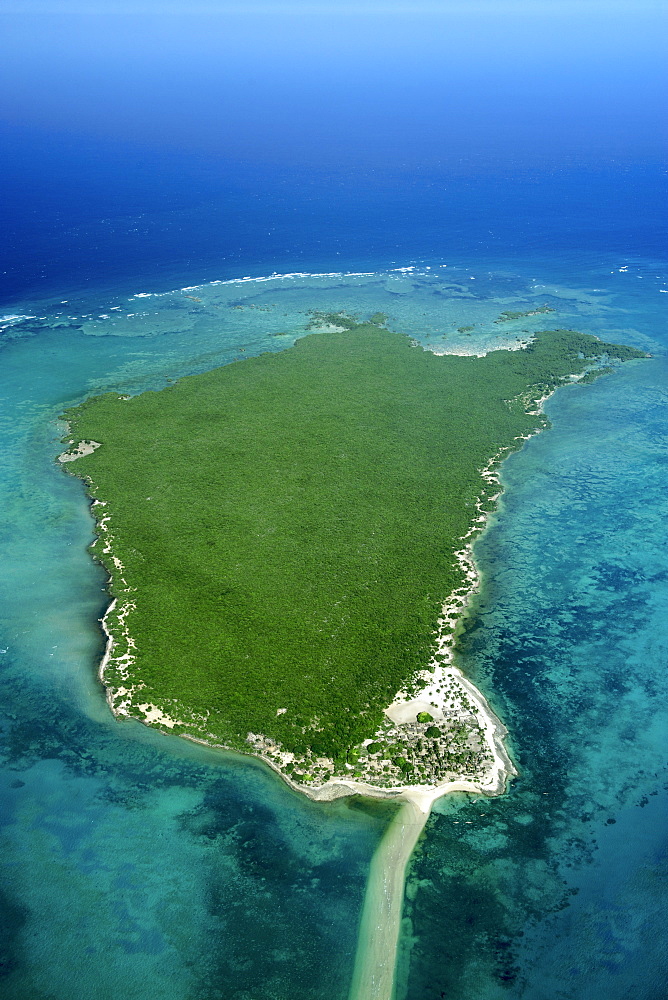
288, 543
288, 546
510, 314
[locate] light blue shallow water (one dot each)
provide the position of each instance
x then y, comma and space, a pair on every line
153, 146
563, 881
138, 865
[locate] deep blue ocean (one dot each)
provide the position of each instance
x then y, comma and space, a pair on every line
179, 189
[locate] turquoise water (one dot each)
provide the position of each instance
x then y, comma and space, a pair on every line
155, 145
558, 890
134, 864
139, 865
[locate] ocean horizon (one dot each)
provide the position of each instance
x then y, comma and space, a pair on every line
181, 191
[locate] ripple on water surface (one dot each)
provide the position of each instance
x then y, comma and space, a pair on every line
138, 865
555, 890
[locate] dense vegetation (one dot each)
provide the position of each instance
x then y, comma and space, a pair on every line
287, 523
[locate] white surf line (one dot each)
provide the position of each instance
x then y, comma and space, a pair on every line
378, 940
288, 276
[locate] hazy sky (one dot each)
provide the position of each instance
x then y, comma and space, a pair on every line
425, 82
206, 138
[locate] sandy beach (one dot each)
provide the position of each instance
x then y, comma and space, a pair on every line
440, 691
380, 923
373, 976
79, 451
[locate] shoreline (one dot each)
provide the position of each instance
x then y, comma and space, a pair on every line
433, 682
380, 921
422, 796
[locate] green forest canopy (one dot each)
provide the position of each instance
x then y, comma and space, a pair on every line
288, 522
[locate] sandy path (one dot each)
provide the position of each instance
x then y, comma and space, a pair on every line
373, 976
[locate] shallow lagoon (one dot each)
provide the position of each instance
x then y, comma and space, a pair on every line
560, 881
139, 864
